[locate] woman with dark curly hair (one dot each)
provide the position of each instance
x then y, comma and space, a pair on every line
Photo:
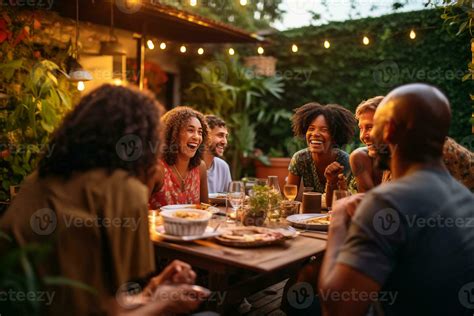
320, 166
89, 200
181, 176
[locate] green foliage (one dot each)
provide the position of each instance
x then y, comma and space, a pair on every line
254, 16
38, 96
246, 101
262, 199
350, 72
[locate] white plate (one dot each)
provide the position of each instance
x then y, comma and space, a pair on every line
207, 234
211, 209
299, 221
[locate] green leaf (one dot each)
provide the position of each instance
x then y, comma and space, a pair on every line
57, 280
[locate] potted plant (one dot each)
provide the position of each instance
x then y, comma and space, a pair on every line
262, 200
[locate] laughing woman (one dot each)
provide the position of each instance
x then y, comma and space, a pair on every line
326, 128
181, 174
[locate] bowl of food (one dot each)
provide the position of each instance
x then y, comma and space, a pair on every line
185, 222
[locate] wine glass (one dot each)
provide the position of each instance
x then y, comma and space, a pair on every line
235, 196
290, 191
339, 194
273, 183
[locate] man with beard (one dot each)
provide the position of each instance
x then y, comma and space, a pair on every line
218, 173
408, 245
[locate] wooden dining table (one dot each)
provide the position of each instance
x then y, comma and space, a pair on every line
235, 273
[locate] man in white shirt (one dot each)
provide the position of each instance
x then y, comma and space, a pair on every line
218, 172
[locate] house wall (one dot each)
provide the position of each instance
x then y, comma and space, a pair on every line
59, 31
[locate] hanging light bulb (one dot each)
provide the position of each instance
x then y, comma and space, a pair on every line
182, 49
327, 44
294, 48
193, 3
231, 52
163, 45
150, 44
365, 40
243, 2
201, 51
260, 50
81, 86
412, 34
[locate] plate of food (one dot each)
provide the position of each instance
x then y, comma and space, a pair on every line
203, 206
208, 233
314, 221
250, 236
218, 198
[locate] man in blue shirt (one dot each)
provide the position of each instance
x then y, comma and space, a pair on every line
407, 245
218, 172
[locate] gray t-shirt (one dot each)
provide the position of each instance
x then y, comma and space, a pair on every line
415, 237
218, 176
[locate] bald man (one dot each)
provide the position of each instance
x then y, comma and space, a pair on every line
407, 247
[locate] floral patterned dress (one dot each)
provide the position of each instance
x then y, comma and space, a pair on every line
171, 191
303, 165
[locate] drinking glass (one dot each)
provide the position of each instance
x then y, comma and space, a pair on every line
235, 197
339, 194
273, 183
290, 191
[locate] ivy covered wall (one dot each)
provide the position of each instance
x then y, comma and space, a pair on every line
349, 71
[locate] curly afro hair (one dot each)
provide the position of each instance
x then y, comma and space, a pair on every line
93, 134
173, 121
340, 120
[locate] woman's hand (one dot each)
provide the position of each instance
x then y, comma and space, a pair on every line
177, 272
332, 171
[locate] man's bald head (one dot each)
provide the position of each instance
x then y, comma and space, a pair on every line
421, 115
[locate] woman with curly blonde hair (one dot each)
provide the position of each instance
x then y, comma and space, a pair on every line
181, 176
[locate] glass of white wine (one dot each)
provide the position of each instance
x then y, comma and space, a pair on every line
290, 191
235, 197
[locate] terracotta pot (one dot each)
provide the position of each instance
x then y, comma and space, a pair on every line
253, 220
278, 167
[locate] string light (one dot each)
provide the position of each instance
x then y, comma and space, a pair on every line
231, 52
243, 2
163, 45
294, 48
182, 49
81, 86
193, 3
327, 44
365, 40
412, 34
150, 44
200, 51
260, 50
117, 82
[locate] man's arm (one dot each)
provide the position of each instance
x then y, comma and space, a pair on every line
362, 170
340, 285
